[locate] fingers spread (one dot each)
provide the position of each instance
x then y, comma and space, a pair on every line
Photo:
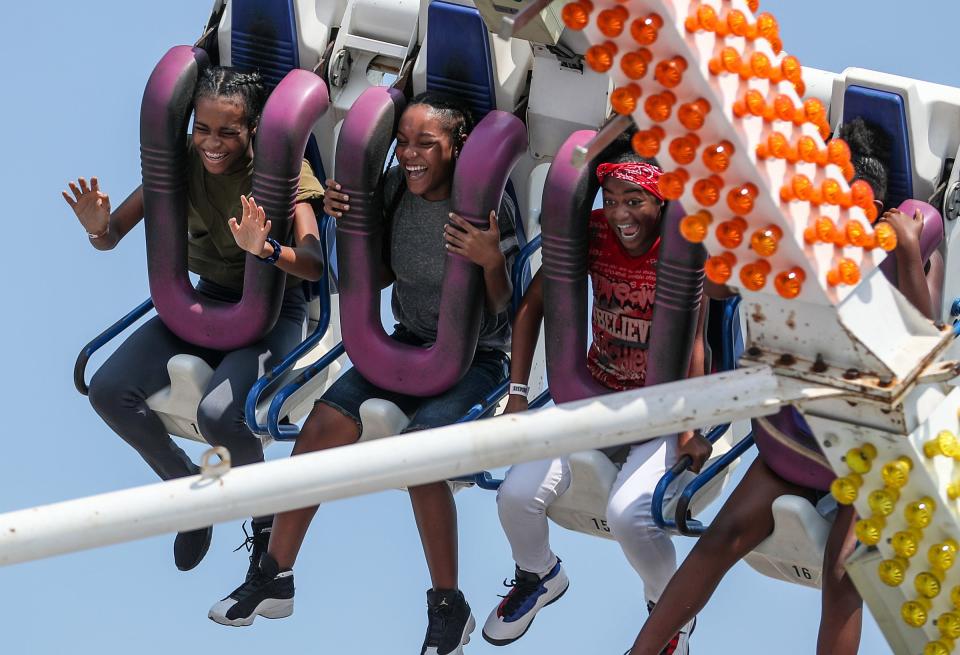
94, 184
83, 185
76, 190
234, 226
68, 198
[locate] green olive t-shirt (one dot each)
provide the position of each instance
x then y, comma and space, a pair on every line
212, 252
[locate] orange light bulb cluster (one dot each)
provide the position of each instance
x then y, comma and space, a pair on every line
823, 230
846, 272
736, 23
716, 157
782, 109
765, 241
669, 72
634, 64
707, 191
806, 149
576, 15
692, 115
646, 143
754, 275
600, 57
742, 198
730, 233
694, 227
646, 30
683, 149
611, 21
719, 268
624, 99
659, 106
673, 183
789, 284
861, 195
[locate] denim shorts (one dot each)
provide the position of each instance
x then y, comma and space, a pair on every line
489, 369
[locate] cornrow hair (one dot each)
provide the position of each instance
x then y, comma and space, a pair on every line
870, 152
227, 82
621, 151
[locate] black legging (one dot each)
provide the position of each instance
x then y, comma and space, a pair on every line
138, 369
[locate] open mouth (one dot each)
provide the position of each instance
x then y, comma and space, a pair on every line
215, 157
415, 172
628, 232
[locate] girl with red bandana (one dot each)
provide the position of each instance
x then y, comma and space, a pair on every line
622, 263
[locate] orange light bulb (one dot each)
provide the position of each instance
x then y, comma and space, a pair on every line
659, 106
838, 152
855, 232
764, 242
645, 30
861, 194
825, 229
730, 59
783, 108
684, 149
767, 26
778, 145
707, 17
814, 111
692, 115
737, 22
600, 57
707, 191
646, 143
694, 227
634, 64
575, 15
789, 284
832, 191
886, 237
718, 269
717, 157
610, 22
670, 72
624, 99
846, 272
802, 187
760, 65
753, 5
741, 199
807, 149
754, 275
672, 184
792, 71
730, 233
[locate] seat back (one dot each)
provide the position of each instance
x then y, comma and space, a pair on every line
794, 552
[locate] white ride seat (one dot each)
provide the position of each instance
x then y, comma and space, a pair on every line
794, 552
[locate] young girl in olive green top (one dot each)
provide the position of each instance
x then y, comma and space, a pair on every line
227, 107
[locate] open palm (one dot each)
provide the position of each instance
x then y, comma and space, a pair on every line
252, 230
90, 204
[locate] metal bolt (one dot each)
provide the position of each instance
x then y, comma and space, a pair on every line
786, 359
753, 351
819, 366
885, 381
851, 374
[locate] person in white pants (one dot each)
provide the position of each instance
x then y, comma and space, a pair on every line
624, 245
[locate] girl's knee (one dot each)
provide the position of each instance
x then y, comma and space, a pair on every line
326, 427
106, 394
516, 497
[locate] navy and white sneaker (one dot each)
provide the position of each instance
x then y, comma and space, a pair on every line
256, 543
680, 644
530, 593
449, 623
268, 593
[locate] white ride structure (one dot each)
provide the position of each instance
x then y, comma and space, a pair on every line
867, 371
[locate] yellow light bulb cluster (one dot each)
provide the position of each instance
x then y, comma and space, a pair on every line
945, 444
845, 489
948, 625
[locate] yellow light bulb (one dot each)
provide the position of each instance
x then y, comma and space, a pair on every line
942, 556
927, 584
906, 542
919, 513
953, 490
939, 647
945, 443
948, 624
845, 489
883, 501
869, 451
896, 474
858, 461
868, 530
914, 612
955, 597
893, 571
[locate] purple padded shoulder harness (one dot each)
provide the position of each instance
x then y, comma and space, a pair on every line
930, 237
485, 162
568, 196
290, 113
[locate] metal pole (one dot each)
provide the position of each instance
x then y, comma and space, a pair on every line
449, 452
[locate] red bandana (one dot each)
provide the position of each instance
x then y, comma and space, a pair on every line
646, 176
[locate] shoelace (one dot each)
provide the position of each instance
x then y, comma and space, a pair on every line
251, 586
520, 591
249, 539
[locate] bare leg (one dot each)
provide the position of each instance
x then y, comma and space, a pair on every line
842, 614
745, 520
324, 428
436, 515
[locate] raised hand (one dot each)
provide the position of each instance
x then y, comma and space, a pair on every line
907, 228
90, 204
482, 247
334, 202
252, 230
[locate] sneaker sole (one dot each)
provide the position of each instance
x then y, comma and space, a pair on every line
507, 642
269, 609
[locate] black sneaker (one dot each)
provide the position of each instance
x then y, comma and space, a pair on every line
190, 547
449, 623
256, 543
269, 593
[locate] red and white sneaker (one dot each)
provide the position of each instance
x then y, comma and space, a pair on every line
680, 644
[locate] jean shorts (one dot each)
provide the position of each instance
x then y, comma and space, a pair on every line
489, 369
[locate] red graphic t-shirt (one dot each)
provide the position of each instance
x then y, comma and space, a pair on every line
623, 292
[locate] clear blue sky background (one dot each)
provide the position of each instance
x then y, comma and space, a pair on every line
73, 76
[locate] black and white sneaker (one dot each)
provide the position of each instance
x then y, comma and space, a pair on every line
269, 593
449, 623
529, 593
189, 548
256, 543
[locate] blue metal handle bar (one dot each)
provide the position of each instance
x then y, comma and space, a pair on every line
691, 527
290, 432
519, 265
102, 339
540, 400
955, 308
682, 465
322, 289
728, 334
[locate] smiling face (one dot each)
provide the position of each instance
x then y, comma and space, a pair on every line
632, 213
425, 150
222, 135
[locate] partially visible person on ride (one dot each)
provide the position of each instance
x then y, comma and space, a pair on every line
746, 519
227, 106
421, 229
622, 263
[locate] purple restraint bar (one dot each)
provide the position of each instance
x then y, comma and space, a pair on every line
784, 440
290, 113
481, 174
568, 196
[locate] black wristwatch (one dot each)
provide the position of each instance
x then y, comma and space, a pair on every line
271, 259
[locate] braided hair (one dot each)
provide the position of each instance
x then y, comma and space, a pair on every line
227, 82
620, 151
870, 152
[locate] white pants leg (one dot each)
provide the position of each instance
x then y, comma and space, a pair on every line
522, 501
629, 514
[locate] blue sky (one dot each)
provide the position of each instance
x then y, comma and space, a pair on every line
73, 79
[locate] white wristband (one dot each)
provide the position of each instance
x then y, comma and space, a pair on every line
519, 389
